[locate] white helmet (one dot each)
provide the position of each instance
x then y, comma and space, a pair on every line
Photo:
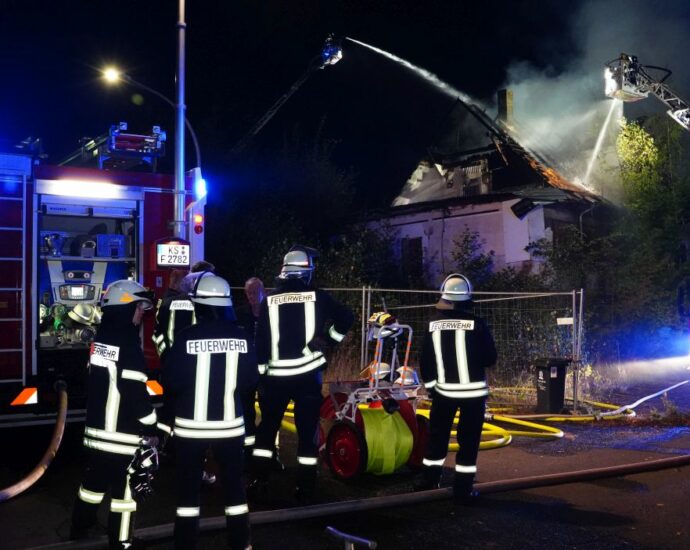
408, 376
124, 292
376, 370
456, 288
211, 290
84, 313
298, 263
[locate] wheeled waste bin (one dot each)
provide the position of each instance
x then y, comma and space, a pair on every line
550, 380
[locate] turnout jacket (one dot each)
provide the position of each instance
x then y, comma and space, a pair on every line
294, 322
211, 366
457, 349
118, 410
174, 312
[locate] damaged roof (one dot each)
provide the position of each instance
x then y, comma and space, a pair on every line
474, 155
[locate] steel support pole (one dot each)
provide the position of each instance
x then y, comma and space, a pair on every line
179, 224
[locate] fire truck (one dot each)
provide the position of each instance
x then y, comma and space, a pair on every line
66, 233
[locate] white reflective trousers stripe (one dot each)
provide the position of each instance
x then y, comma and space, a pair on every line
236, 510
188, 512
429, 462
262, 453
90, 496
307, 460
126, 520
459, 468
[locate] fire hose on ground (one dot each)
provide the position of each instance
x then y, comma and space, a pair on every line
34, 475
165, 531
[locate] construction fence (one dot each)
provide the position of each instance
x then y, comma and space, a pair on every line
525, 325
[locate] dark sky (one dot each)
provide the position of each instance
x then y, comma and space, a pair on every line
243, 55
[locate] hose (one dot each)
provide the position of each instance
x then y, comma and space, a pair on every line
159, 532
38, 471
616, 412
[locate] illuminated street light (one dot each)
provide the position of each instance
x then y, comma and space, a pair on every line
113, 76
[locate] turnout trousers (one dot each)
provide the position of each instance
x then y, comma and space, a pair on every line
105, 472
468, 434
305, 391
190, 461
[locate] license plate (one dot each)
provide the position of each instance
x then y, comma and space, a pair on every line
172, 254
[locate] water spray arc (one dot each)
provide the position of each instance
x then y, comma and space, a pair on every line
615, 105
426, 75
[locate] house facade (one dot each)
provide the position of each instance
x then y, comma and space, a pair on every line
478, 178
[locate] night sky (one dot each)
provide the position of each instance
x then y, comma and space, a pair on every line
243, 55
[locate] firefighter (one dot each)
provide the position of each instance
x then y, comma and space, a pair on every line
212, 366
118, 414
296, 323
457, 349
173, 312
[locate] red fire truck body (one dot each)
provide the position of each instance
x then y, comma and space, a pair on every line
65, 234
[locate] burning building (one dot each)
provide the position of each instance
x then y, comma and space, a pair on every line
476, 177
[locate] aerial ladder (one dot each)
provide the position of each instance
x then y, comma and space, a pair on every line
628, 80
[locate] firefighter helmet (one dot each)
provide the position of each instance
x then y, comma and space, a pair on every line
383, 325
456, 288
407, 376
124, 292
84, 313
211, 290
299, 263
376, 370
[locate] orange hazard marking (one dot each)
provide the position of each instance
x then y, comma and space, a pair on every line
154, 388
28, 396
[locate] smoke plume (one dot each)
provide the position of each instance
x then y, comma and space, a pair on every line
561, 115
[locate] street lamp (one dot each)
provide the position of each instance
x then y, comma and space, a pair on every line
113, 76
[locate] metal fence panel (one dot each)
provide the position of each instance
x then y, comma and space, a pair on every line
525, 326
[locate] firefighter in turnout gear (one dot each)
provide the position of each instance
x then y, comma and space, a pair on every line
457, 349
118, 413
212, 366
296, 323
173, 313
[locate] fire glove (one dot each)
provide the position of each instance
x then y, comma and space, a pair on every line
141, 469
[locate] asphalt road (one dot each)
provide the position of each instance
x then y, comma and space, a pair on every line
647, 510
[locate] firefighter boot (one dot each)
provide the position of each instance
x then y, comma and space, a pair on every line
463, 493
430, 478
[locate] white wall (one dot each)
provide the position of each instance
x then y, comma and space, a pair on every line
499, 228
